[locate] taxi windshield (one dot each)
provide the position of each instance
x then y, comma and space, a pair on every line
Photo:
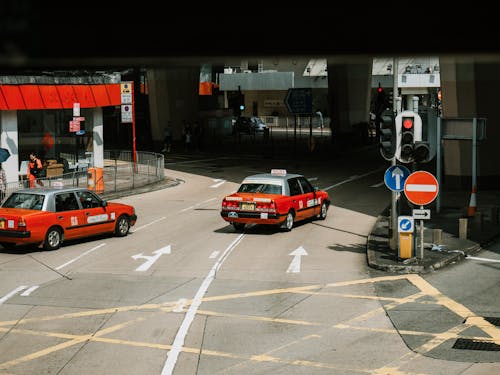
260, 188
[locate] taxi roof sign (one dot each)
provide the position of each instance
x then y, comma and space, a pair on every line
278, 172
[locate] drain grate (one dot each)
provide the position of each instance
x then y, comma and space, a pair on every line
469, 344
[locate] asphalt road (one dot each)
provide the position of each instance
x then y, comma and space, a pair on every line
186, 294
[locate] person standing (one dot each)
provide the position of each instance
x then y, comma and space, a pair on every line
167, 140
34, 170
3, 183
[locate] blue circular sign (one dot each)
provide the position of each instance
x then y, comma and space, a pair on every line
395, 177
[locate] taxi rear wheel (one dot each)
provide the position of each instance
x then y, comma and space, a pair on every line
323, 211
53, 239
288, 223
122, 226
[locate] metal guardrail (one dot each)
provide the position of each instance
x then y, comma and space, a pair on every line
120, 173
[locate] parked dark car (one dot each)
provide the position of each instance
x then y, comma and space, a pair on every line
249, 125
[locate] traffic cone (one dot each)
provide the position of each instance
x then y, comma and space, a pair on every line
471, 210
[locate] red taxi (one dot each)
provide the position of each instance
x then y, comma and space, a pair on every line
277, 198
47, 216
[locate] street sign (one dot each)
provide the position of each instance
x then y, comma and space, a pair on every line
421, 188
299, 101
421, 214
126, 112
406, 224
76, 109
80, 132
395, 177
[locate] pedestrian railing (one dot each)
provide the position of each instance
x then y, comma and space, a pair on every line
120, 173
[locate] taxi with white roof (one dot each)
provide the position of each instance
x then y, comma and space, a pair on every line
277, 198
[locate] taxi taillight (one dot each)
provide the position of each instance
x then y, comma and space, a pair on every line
266, 206
21, 223
230, 204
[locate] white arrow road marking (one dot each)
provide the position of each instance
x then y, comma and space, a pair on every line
10, 294
219, 183
28, 291
80, 256
397, 173
295, 264
483, 259
178, 343
151, 258
421, 187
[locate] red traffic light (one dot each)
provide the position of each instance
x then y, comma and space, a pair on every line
408, 122
380, 89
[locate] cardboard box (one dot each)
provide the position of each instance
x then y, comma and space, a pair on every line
54, 170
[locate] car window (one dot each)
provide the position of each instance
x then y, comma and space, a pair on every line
25, 200
260, 188
306, 185
88, 200
294, 186
66, 202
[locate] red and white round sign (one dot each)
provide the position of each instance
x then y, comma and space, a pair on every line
421, 188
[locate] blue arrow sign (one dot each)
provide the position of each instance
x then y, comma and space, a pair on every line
395, 177
299, 100
405, 224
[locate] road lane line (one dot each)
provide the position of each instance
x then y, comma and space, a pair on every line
10, 294
219, 183
483, 259
80, 256
352, 178
28, 291
214, 255
178, 344
147, 225
196, 205
378, 185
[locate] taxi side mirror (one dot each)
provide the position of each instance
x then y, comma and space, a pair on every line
104, 203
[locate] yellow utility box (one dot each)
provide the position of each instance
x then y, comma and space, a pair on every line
405, 245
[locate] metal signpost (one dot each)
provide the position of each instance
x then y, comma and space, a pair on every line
421, 188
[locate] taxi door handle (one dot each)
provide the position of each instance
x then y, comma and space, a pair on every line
60, 217
87, 213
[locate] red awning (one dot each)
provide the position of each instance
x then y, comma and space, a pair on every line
18, 97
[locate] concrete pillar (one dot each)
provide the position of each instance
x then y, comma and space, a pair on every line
173, 95
9, 140
349, 92
97, 136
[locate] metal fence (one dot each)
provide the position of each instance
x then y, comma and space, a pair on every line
119, 173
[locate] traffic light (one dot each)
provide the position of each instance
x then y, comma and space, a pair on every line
381, 101
407, 138
410, 145
387, 135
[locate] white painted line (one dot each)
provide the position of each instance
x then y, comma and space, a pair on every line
80, 256
28, 291
173, 354
352, 178
312, 178
10, 294
196, 205
421, 187
219, 183
179, 306
147, 225
378, 185
214, 255
150, 259
483, 259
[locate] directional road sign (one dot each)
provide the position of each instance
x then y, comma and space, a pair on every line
421, 188
405, 224
299, 101
395, 177
421, 214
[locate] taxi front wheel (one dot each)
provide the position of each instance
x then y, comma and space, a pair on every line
122, 226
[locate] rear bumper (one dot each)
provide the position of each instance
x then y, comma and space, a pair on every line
14, 234
252, 217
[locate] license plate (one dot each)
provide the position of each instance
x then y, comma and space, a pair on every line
2, 224
248, 206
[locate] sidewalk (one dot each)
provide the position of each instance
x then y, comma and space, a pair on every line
481, 230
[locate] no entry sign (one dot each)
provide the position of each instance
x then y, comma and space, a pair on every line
421, 188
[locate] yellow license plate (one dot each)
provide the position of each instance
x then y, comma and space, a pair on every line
248, 206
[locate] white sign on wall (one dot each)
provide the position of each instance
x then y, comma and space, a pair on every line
126, 112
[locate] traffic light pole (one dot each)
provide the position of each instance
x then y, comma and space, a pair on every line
393, 241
